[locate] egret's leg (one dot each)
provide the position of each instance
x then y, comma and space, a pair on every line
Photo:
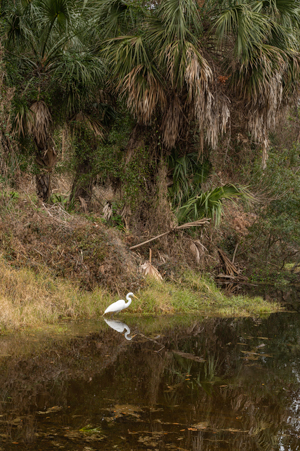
115, 313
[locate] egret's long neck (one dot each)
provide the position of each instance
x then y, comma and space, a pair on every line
129, 300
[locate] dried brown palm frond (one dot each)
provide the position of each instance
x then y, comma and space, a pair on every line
216, 119
198, 223
89, 122
149, 270
20, 121
66, 141
198, 74
259, 84
263, 113
195, 252
39, 121
7, 142
187, 67
174, 56
83, 204
144, 93
211, 110
107, 211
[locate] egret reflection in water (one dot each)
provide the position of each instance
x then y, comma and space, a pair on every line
119, 327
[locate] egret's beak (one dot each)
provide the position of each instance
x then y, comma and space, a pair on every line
135, 296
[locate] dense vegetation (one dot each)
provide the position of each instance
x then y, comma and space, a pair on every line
152, 114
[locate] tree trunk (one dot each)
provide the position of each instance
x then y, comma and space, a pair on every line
84, 179
45, 160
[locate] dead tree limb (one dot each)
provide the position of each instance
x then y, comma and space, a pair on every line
188, 225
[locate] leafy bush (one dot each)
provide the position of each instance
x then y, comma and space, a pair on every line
275, 235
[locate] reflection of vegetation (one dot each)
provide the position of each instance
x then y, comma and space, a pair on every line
88, 429
183, 373
225, 398
210, 368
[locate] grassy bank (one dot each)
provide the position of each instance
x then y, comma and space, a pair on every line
30, 299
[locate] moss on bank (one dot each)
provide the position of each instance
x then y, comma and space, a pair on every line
30, 299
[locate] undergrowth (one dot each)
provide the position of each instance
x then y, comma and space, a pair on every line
30, 299
198, 294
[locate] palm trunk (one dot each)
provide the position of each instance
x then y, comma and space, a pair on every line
39, 126
84, 179
45, 160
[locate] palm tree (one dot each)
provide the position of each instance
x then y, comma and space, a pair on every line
184, 63
47, 45
161, 70
203, 68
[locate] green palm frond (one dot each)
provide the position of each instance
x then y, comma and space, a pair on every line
243, 22
179, 17
188, 173
210, 203
286, 12
80, 75
113, 18
54, 11
138, 78
172, 33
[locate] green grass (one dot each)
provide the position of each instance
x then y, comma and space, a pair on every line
31, 300
198, 294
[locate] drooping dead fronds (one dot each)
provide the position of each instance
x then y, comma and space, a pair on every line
161, 216
39, 122
144, 92
211, 110
21, 120
198, 76
265, 104
91, 123
259, 84
83, 204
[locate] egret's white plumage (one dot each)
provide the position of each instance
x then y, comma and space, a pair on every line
116, 307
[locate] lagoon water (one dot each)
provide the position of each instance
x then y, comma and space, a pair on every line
173, 383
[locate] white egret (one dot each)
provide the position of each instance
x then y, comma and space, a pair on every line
119, 327
116, 307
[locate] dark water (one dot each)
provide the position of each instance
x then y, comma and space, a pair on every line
179, 383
